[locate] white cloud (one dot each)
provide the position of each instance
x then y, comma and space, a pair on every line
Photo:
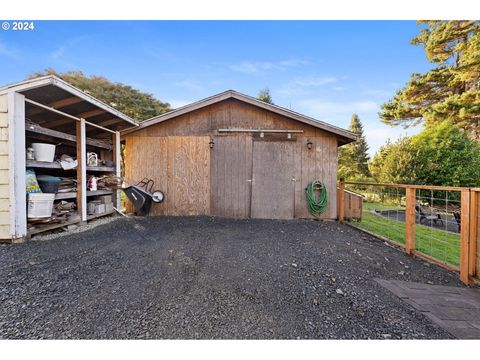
252, 67
377, 133
6, 51
60, 50
326, 108
176, 103
300, 85
315, 81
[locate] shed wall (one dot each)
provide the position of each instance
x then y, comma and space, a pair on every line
231, 157
4, 170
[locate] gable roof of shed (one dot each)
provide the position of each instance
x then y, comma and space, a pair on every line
231, 94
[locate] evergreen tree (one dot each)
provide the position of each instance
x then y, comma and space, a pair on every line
353, 157
450, 91
264, 95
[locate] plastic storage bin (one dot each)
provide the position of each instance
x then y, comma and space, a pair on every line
40, 205
44, 152
49, 184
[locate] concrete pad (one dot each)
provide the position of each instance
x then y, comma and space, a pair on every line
455, 309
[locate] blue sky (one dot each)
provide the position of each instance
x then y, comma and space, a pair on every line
325, 69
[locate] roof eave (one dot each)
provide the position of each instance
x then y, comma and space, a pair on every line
55, 81
345, 134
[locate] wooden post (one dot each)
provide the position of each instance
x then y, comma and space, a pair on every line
341, 208
117, 158
472, 250
410, 221
81, 170
465, 236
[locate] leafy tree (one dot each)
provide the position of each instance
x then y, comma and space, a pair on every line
444, 155
440, 155
450, 91
264, 95
353, 157
130, 101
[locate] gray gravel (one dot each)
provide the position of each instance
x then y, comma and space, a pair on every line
211, 278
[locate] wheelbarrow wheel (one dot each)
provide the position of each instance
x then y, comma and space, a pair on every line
158, 196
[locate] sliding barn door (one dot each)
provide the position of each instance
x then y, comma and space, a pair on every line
273, 188
231, 176
179, 165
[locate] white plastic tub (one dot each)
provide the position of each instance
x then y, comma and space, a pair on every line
44, 152
40, 205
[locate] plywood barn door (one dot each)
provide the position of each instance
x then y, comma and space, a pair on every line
273, 187
179, 165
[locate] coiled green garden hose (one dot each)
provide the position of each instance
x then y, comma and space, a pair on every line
317, 207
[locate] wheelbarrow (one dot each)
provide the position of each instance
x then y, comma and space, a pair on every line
141, 194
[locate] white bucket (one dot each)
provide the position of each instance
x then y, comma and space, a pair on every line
40, 205
44, 152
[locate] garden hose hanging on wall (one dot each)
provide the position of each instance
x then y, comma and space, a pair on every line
317, 207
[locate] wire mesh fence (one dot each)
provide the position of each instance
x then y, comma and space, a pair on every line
438, 215
437, 218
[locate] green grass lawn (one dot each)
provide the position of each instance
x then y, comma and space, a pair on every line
441, 245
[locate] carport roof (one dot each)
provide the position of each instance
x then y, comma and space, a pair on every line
345, 135
58, 94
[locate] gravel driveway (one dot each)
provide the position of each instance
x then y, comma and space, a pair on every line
211, 278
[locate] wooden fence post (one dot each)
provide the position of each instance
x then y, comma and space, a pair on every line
410, 221
465, 236
341, 208
474, 223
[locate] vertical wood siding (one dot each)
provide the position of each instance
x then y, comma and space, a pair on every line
230, 175
232, 158
4, 170
180, 166
273, 188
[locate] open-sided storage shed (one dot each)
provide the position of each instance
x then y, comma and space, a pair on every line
49, 110
235, 156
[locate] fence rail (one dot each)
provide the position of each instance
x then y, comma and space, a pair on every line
438, 223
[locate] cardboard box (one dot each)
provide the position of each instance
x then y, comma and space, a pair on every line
109, 207
105, 199
99, 209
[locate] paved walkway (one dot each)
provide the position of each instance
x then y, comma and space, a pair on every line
455, 309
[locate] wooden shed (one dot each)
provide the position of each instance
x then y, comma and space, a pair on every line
49, 110
232, 155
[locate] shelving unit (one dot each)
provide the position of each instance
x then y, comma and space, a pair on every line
73, 194
77, 147
49, 110
56, 165
95, 216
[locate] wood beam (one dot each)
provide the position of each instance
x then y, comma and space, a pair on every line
117, 158
84, 115
341, 207
465, 236
37, 129
109, 122
58, 105
474, 227
410, 221
81, 170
